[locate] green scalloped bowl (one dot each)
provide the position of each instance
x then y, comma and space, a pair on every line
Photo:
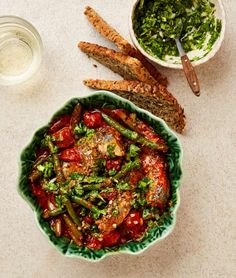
166, 221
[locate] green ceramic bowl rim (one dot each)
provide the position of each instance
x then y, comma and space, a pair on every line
169, 228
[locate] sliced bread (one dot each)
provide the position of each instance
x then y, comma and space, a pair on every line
128, 67
112, 35
156, 99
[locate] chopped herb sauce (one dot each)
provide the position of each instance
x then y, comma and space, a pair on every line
156, 24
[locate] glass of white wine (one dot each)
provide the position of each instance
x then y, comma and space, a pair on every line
20, 50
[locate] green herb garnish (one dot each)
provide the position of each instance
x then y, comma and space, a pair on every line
144, 183
47, 142
111, 150
157, 22
51, 186
115, 212
47, 169
123, 186
112, 172
78, 189
139, 200
133, 151
127, 167
82, 129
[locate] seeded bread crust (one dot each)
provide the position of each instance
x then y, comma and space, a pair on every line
112, 35
156, 99
128, 67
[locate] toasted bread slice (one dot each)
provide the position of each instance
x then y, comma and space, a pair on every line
112, 35
156, 99
128, 67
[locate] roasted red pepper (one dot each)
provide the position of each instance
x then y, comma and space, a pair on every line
59, 123
72, 154
134, 219
133, 226
111, 238
93, 119
64, 138
93, 243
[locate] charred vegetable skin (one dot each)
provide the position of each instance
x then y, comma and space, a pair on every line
101, 177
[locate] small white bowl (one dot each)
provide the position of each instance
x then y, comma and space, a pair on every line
176, 62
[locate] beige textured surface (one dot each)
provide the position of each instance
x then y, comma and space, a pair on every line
203, 242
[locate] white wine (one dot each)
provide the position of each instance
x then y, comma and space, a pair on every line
20, 50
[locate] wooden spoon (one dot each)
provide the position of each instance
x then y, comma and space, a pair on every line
188, 69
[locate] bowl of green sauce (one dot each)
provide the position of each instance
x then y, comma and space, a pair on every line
199, 24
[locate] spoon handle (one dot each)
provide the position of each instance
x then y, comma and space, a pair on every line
190, 75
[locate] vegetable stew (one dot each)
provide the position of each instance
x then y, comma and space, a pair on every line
101, 177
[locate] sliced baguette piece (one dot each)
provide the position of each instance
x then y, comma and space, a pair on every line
156, 99
128, 67
112, 35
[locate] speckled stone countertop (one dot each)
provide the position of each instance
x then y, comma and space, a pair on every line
203, 243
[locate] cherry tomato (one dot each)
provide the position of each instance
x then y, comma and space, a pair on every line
133, 227
43, 201
113, 164
37, 190
112, 113
133, 220
111, 238
93, 119
59, 123
94, 243
136, 232
64, 138
72, 154
123, 240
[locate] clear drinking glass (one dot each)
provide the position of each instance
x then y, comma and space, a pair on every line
20, 50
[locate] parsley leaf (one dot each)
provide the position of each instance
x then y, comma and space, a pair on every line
112, 172
111, 150
46, 169
82, 129
139, 200
97, 214
47, 140
114, 212
133, 150
51, 186
144, 183
78, 189
123, 186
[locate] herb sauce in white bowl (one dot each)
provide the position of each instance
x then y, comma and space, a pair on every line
153, 26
